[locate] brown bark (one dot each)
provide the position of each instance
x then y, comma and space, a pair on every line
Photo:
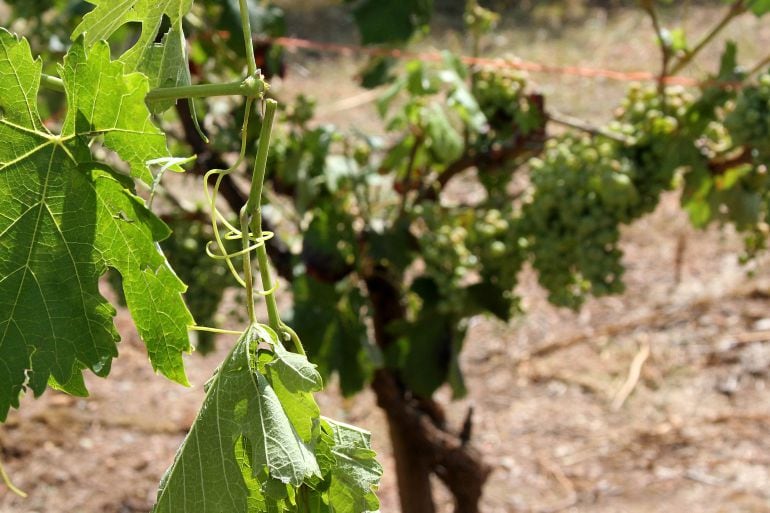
720, 167
413, 469
456, 462
422, 444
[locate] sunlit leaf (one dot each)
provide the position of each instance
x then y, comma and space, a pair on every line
65, 219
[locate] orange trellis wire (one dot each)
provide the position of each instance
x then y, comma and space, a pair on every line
518, 64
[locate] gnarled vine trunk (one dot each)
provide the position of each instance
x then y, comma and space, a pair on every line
422, 443
413, 470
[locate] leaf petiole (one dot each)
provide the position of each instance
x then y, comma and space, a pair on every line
220, 331
250, 87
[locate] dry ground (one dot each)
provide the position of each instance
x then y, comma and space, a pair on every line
693, 435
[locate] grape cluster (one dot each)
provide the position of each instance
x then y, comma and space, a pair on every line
443, 245
658, 144
749, 122
494, 239
748, 198
582, 190
464, 242
502, 98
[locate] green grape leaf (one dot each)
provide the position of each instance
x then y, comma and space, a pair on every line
377, 71
393, 247
444, 141
391, 93
390, 22
330, 324
357, 473
488, 297
460, 99
455, 376
65, 219
420, 79
128, 234
425, 347
428, 347
760, 7
93, 83
397, 156
165, 63
300, 407
242, 433
294, 379
295, 371
329, 244
75, 386
678, 39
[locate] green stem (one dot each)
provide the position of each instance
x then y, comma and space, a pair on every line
251, 87
294, 338
253, 210
51, 82
579, 124
246, 28
649, 7
418, 140
303, 502
260, 164
247, 275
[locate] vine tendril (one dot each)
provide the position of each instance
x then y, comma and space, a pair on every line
216, 248
7, 481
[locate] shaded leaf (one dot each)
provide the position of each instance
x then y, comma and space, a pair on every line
357, 473
444, 141
331, 326
294, 379
166, 64
760, 7
242, 433
377, 71
295, 371
390, 22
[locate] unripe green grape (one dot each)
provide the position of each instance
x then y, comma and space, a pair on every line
497, 248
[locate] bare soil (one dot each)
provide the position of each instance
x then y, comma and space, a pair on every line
555, 407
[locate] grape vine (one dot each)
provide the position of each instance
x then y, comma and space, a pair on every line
386, 264
378, 228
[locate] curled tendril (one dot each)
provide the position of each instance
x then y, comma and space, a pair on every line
7, 481
219, 256
216, 248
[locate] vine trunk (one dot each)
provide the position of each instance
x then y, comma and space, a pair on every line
422, 443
